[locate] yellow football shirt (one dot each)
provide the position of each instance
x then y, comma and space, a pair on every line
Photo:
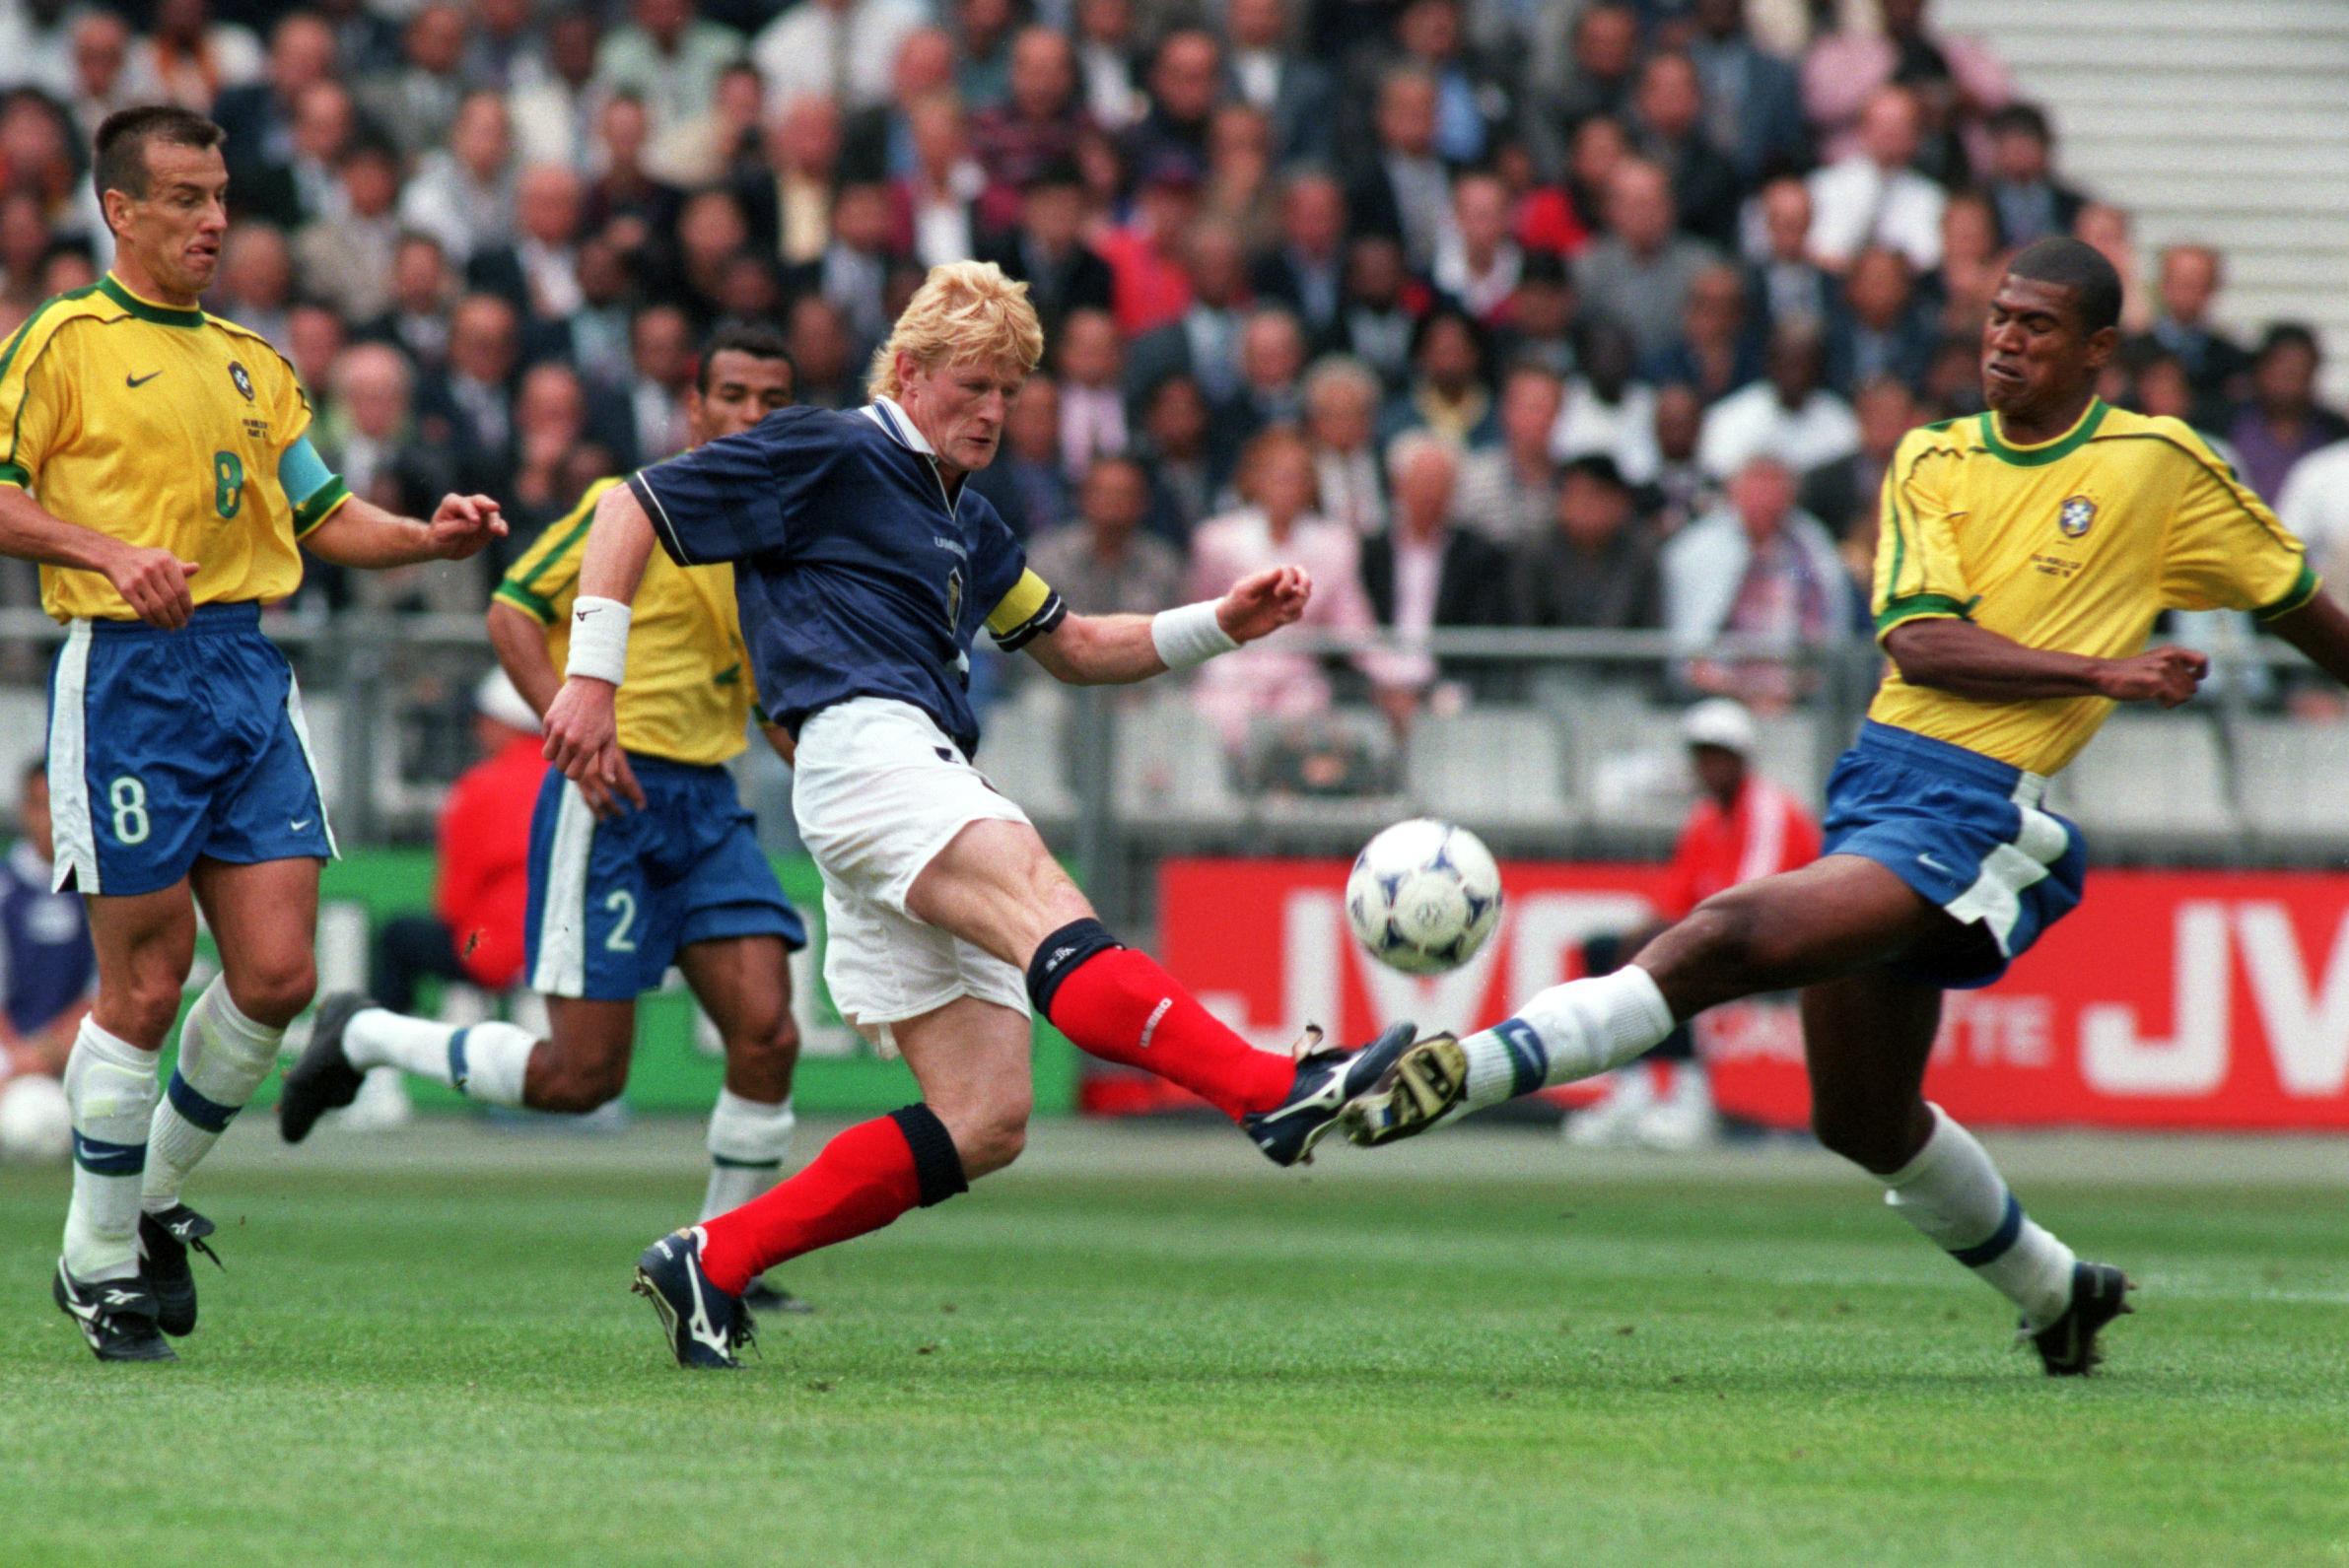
686, 693
162, 426
2073, 545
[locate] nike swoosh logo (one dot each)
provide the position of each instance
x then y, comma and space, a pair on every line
580, 615
299, 826
1932, 865
140, 381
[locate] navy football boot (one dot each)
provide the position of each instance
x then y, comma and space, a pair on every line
117, 1316
704, 1324
2067, 1347
324, 1079
164, 1241
1326, 1080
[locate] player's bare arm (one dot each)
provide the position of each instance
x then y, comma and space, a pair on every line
2321, 630
520, 645
583, 736
1118, 649
1971, 660
154, 583
363, 534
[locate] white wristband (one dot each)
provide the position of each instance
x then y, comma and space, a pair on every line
598, 639
1189, 634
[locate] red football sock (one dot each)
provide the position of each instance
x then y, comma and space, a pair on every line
1120, 1005
859, 1182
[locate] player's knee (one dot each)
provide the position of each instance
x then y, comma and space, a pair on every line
146, 1006
1862, 1135
991, 1136
274, 993
1734, 938
577, 1087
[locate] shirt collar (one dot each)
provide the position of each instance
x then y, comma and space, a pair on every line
886, 413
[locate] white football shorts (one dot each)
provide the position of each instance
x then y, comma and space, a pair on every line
878, 791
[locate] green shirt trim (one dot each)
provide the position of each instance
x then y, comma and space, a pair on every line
13, 474
522, 599
2044, 452
2302, 589
1919, 606
147, 310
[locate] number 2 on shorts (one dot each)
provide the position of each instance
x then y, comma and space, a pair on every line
621, 902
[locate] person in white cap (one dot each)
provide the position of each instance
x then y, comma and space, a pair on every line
1741, 827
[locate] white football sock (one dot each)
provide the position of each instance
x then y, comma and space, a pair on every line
1955, 1197
748, 1142
223, 1057
1565, 1033
484, 1061
110, 1085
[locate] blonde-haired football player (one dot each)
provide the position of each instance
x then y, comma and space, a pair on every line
158, 464
865, 564
2024, 555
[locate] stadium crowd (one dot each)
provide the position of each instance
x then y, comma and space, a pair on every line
1493, 312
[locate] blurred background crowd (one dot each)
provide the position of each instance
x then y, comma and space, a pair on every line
1493, 312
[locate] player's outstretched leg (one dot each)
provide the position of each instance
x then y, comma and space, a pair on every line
487, 1061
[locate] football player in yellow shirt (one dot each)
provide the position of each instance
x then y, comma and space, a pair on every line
2024, 557
620, 888
157, 462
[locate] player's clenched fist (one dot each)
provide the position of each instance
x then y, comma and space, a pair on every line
1264, 603
462, 526
2167, 675
582, 740
154, 583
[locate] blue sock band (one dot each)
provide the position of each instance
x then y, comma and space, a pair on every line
2010, 1226
458, 1072
210, 1115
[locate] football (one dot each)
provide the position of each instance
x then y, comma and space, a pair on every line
36, 1122
1423, 895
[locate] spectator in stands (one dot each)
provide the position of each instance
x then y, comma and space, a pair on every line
102, 81
1537, 326
481, 885
1845, 494
1422, 573
2029, 203
983, 31
550, 423
661, 350
1960, 80
1508, 490
1185, 78
192, 58
1267, 71
2190, 280
1091, 362
1276, 524
417, 103
1678, 489
2282, 422
1108, 62
1341, 402
369, 436
1640, 273
1239, 187
37, 45
463, 195
853, 272
825, 354
538, 273
626, 204
1271, 373
555, 109
1608, 412
468, 404
790, 202
48, 970
1786, 286
1475, 96
1027, 481
1756, 568
1447, 393
937, 212
1715, 353
841, 49
506, 49
1877, 327
1753, 100
1047, 251
724, 144
1595, 568
2107, 227
1872, 197
1476, 262
1668, 113
1036, 127
1599, 146
1958, 296
255, 284
1790, 413
1594, 81
423, 290
1104, 564
1151, 278
1380, 313
668, 57
315, 337
1402, 191
1186, 482
1742, 825
1305, 270
1202, 342
259, 117
38, 153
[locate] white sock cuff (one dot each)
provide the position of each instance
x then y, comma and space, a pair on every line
1936, 1147
111, 1049
746, 1132
1632, 1012
489, 1061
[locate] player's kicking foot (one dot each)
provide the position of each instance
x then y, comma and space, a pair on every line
1427, 1086
1326, 1080
2067, 1347
164, 1241
324, 1079
761, 1296
704, 1324
117, 1316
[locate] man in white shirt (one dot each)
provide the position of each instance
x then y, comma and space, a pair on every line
1092, 399
1788, 414
842, 49
1342, 397
1873, 197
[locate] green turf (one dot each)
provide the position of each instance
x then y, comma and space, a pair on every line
1175, 1358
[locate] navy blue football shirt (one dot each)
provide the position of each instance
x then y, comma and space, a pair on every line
857, 573
46, 963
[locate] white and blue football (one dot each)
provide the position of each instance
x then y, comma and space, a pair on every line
1423, 895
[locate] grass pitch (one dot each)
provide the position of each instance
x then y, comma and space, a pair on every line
1148, 1347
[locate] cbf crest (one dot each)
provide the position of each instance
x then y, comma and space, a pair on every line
2074, 516
244, 380
954, 600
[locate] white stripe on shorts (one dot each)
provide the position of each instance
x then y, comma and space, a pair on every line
309, 760
69, 771
1996, 897
562, 969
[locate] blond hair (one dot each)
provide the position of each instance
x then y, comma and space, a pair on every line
966, 311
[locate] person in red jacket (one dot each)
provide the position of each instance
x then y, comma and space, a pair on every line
1741, 827
474, 933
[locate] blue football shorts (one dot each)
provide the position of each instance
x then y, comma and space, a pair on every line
612, 901
1966, 833
164, 746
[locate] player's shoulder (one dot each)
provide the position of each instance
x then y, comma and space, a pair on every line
245, 342
2157, 433
1956, 436
50, 317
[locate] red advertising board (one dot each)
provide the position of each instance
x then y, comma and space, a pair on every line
2183, 999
